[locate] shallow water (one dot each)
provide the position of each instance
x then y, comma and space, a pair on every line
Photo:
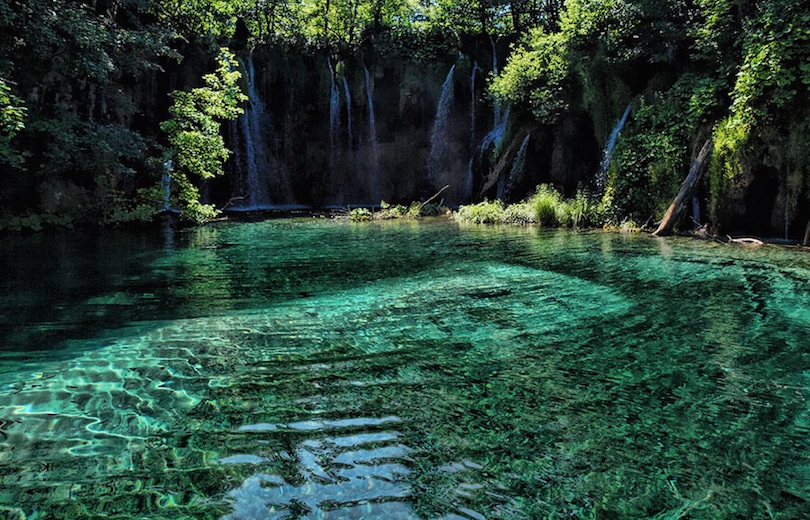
319, 369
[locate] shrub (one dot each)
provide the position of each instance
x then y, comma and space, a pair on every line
519, 213
388, 211
360, 215
546, 207
549, 207
485, 212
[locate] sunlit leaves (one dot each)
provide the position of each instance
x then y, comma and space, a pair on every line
194, 131
536, 76
12, 116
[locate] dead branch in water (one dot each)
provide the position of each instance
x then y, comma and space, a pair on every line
423, 204
233, 199
687, 188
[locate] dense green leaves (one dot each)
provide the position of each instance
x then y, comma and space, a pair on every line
537, 76
71, 74
194, 132
12, 116
730, 68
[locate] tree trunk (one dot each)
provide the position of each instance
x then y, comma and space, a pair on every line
806, 234
687, 188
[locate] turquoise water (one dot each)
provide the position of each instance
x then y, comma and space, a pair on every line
321, 369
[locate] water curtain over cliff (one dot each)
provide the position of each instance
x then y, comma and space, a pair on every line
334, 106
372, 138
507, 185
348, 110
439, 137
249, 136
601, 179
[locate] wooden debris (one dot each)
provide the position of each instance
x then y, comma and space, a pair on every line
687, 189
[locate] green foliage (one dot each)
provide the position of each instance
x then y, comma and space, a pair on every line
12, 116
655, 152
198, 149
536, 76
33, 222
388, 211
767, 110
747, 68
549, 207
545, 207
484, 212
520, 213
728, 175
360, 215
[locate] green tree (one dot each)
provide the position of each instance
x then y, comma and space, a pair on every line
12, 117
198, 149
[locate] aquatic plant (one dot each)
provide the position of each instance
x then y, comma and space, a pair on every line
546, 207
360, 215
485, 212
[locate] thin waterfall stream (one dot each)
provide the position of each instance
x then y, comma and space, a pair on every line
334, 106
250, 135
372, 138
439, 136
601, 178
348, 110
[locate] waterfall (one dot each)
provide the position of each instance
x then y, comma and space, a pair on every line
348, 109
516, 173
495, 136
469, 181
601, 180
372, 122
334, 106
372, 129
251, 126
166, 185
500, 116
438, 137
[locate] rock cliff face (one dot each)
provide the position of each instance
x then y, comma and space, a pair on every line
326, 131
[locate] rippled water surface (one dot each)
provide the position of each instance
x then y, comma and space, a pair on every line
319, 369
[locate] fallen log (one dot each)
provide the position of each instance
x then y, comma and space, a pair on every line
745, 240
687, 189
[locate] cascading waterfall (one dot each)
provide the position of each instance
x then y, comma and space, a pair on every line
508, 184
334, 106
166, 184
348, 109
251, 126
495, 136
601, 179
500, 116
469, 181
372, 129
438, 137
372, 122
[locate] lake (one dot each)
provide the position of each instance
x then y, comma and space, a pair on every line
312, 368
